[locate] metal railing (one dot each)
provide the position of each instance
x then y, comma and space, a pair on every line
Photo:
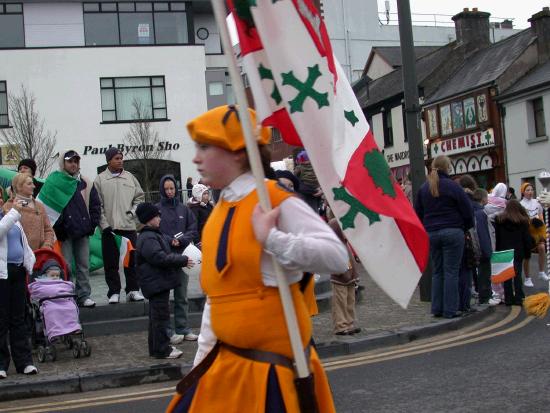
437, 20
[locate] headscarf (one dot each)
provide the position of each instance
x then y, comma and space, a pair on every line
497, 197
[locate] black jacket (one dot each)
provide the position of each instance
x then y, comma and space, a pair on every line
513, 236
77, 220
201, 212
158, 269
176, 217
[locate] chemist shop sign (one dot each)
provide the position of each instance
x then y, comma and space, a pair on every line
465, 143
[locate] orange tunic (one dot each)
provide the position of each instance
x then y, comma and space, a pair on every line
247, 314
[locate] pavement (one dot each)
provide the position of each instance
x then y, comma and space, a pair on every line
121, 359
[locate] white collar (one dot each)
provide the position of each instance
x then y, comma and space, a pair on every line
239, 188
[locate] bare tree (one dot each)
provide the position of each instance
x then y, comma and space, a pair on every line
28, 135
142, 143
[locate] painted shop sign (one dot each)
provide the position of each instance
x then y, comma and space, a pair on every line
464, 143
126, 149
397, 156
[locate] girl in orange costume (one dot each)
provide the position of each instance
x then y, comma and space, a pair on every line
244, 360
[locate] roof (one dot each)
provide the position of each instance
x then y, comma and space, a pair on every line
392, 84
485, 66
392, 54
537, 77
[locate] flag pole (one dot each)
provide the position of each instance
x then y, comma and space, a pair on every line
302, 369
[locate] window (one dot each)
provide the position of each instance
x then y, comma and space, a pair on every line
4, 121
538, 114
133, 23
122, 96
12, 32
388, 128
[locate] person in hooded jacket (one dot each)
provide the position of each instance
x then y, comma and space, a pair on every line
201, 206
179, 226
76, 223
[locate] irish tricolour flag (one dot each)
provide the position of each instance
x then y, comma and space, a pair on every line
502, 266
55, 194
299, 88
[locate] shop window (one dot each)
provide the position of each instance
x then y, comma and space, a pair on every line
122, 96
538, 116
134, 23
388, 128
12, 32
4, 121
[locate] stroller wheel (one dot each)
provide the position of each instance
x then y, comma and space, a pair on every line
76, 352
41, 354
85, 348
68, 342
52, 352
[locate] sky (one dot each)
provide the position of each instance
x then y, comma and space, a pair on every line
520, 11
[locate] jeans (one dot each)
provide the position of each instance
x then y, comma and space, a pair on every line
12, 319
111, 257
181, 306
446, 249
159, 320
78, 249
513, 288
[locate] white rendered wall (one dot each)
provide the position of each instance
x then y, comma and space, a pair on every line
53, 24
378, 67
65, 83
525, 159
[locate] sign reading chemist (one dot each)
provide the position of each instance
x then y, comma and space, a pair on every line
126, 149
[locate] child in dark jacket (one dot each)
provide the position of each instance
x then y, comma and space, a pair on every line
512, 232
159, 271
483, 270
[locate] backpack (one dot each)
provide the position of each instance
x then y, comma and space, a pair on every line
472, 248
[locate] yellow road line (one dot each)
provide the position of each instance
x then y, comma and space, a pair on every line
66, 402
444, 347
78, 406
514, 313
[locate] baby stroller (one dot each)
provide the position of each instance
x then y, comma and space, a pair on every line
54, 310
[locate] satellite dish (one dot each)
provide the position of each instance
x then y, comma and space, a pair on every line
196, 255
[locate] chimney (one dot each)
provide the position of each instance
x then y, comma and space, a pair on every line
540, 23
472, 29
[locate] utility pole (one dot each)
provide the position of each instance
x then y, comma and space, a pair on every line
412, 117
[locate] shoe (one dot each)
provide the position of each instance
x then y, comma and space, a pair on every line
494, 301
30, 370
528, 282
342, 333
134, 296
190, 337
355, 330
88, 303
3, 374
177, 339
114, 299
543, 276
174, 354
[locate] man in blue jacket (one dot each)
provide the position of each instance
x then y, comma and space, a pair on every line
76, 223
179, 225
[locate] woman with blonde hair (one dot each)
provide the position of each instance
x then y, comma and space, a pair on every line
446, 212
34, 220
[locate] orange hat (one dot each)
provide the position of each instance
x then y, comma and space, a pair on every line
221, 127
523, 187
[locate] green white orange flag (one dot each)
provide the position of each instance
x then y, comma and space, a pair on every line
299, 88
55, 194
502, 266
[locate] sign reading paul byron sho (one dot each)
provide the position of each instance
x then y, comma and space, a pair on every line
126, 149
465, 143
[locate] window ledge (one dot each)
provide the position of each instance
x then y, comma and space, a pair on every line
6, 127
537, 139
111, 122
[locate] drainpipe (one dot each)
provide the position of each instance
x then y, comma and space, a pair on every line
346, 40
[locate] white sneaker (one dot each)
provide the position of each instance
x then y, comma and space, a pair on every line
134, 296
30, 370
3, 374
528, 282
494, 301
191, 337
114, 299
174, 354
543, 276
177, 339
89, 303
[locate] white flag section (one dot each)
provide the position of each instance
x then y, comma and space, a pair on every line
299, 88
